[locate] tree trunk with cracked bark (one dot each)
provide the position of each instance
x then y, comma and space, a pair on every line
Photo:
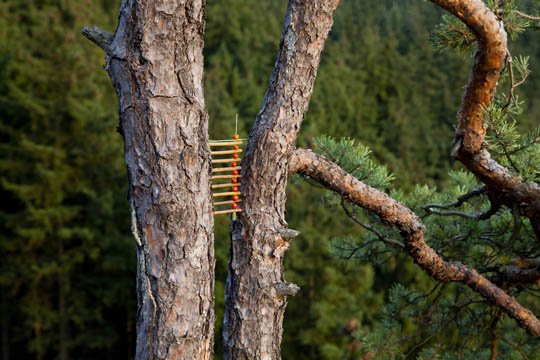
255, 295
155, 63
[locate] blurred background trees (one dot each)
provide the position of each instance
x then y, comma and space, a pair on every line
67, 259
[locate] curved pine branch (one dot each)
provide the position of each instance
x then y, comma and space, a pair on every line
468, 147
393, 213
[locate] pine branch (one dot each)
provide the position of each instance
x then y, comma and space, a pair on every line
469, 148
474, 216
99, 37
479, 216
513, 84
517, 275
526, 16
412, 231
520, 350
478, 191
370, 228
536, 228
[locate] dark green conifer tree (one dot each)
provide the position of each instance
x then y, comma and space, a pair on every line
67, 256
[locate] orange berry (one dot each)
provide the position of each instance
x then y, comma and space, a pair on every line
235, 172
235, 188
235, 198
235, 156
234, 206
235, 180
236, 137
234, 164
235, 147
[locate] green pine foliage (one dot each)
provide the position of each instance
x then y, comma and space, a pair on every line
505, 141
354, 159
432, 323
377, 79
385, 84
433, 315
66, 256
452, 34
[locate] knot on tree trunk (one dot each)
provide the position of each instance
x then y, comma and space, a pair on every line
286, 289
288, 234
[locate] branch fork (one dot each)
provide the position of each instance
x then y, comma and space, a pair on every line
393, 213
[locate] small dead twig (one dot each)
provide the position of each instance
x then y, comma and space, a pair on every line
478, 191
526, 16
368, 227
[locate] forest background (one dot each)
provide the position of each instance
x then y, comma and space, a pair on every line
67, 257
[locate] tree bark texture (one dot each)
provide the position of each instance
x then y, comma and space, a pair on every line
156, 66
254, 303
155, 62
411, 229
517, 274
469, 147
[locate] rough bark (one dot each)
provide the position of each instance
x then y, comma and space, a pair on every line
468, 148
521, 272
155, 63
255, 302
411, 229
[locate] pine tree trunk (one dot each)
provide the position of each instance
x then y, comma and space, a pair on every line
256, 290
155, 62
